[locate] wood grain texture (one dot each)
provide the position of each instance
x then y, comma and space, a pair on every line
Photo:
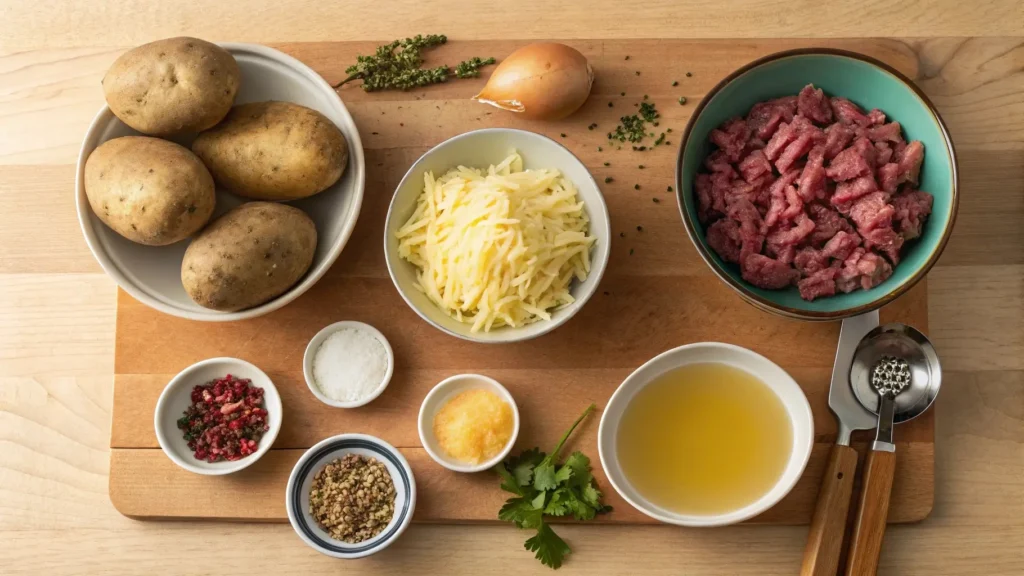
828, 522
44, 23
872, 511
57, 309
656, 293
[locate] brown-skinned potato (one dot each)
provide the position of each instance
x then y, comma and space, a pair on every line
248, 256
172, 86
149, 190
274, 151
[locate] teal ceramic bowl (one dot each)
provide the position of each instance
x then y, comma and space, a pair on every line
867, 82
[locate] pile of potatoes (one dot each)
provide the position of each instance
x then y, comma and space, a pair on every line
155, 192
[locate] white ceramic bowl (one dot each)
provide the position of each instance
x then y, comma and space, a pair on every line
480, 149
314, 460
176, 397
318, 340
439, 396
765, 370
152, 274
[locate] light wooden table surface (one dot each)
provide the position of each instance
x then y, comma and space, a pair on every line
57, 307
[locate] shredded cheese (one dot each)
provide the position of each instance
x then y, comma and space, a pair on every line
498, 248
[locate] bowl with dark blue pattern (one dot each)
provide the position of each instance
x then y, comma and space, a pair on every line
316, 459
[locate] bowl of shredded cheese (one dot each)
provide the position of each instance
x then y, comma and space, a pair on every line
497, 235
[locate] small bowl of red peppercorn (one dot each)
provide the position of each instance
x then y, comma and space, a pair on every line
218, 416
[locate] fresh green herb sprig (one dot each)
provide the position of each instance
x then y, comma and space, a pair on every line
398, 66
542, 487
633, 128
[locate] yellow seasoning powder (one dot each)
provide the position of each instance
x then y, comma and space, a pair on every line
474, 426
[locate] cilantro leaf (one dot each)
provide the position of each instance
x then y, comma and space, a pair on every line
522, 467
544, 476
591, 496
522, 512
563, 474
543, 487
548, 547
508, 482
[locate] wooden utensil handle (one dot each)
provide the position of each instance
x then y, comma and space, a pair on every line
821, 556
866, 543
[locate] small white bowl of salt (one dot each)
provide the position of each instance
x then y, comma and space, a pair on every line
348, 364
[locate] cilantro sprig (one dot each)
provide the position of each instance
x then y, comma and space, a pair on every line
542, 487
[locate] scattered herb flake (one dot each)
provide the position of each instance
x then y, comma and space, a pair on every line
645, 96
637, 72
627, 56
641, 166
623, 93
636, 186
639, 228
607, 163
630, 251
682, 100
610, 105
660, 140
688, 74
655, 200
675, 82
622, 234
669, 189
562, 134
599, 149
669, 130
608, 180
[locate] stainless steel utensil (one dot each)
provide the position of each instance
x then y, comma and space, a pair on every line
824, 541
896, 374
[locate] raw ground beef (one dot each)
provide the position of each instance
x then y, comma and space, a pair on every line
814, 192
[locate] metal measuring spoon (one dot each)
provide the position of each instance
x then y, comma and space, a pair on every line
895, 374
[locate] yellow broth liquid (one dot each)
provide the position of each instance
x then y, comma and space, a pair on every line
704, 439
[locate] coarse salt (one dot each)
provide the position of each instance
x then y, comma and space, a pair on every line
350, 365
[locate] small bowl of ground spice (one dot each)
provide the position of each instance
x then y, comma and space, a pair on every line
351, 496
218, 416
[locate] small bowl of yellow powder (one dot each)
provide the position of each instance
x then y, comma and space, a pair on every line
468, 423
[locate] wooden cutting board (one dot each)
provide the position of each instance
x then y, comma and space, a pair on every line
656, 294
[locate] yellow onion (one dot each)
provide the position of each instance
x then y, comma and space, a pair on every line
543, 81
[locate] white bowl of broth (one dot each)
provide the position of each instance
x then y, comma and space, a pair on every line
706, 434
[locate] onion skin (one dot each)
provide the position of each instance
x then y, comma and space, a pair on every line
542, 81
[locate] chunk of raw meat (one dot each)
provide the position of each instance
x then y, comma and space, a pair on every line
853, 189
812, 104
873, 269
764, 272
827, 223
765, 117
782, 137
886, 241
812, 179
847, 165
783, 237
848, 278
818, 284
794, 151
872, 211
750, 221
718, 162
808, 261
841, 245
883, 153
731, 138
889, 177
754, 166
849, 113
876, 116
865, 148
705, 207
756, 143
912, 209
777, 199
890, 132
837, 137
724, 239
910, 161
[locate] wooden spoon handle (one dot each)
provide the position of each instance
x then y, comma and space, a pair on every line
866, 543
821, 556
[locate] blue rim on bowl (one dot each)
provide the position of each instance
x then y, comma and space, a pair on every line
314, 459
769, 74
478, 149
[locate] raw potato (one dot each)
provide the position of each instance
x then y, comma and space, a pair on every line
148, 190
274, 151
248, 256
172, 86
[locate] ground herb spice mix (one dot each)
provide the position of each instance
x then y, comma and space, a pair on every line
353, 498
